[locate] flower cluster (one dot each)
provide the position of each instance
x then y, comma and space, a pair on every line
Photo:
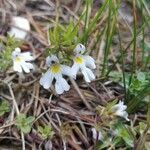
83, 63
56, 71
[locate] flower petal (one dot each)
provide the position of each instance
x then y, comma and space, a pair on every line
79, 49
29, 65
27, 56
26, 66
66, 70
61, 84
89, 62
58, 88
86, 77
18, 50
97, 135
88, 74
119, 107
122, 114
46, 80
74, 70
51, 58
125, 115
17, 67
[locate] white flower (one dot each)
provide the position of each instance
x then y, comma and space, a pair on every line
55, 71
19, 28
97, 135
83, 63
119, 110
21, 60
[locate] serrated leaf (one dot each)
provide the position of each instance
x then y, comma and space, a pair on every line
24, 123
20, 118
46, 131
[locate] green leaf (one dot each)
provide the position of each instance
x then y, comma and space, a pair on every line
30, 119
26, 129
24, 123
4, 107
141, 127
62, 40
46, 131
124, 133
135, 101
20, 118
115, 76
40, 129
5, 54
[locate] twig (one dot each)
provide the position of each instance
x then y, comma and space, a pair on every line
17, 111
64, 144
13, 138
80, 94
7, 125
13, 98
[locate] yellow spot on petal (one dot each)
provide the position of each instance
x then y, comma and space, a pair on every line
55, 68
18, 59
78, 60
